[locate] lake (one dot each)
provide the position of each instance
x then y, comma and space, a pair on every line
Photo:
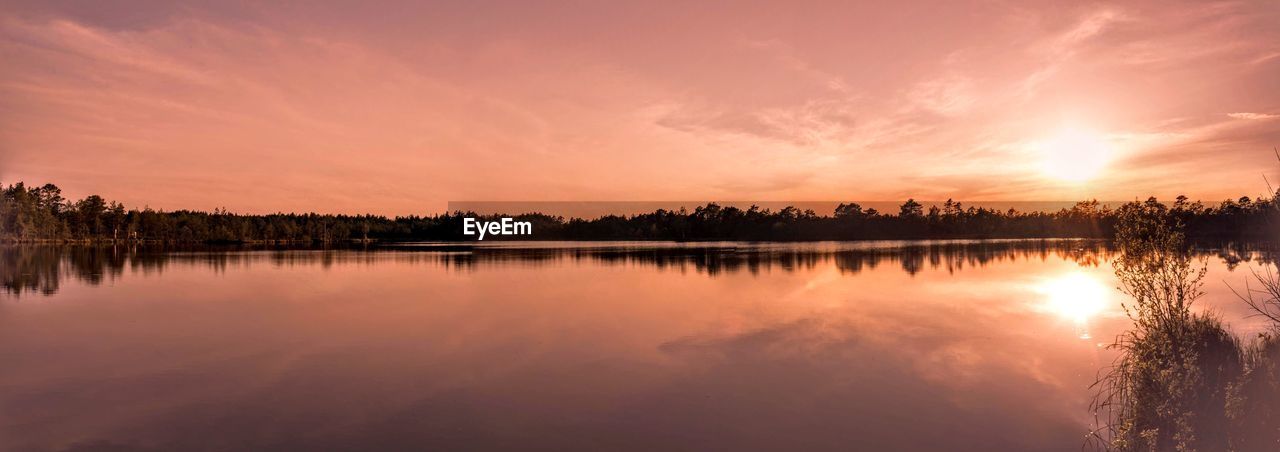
938, 345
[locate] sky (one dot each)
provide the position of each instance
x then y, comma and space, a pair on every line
399, 107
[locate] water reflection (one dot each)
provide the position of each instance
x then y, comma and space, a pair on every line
41, 269
1077, 297
594, 346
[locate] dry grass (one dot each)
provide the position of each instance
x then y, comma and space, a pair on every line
1182, 381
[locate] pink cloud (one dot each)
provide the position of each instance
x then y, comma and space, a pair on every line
1252, 116
336, 108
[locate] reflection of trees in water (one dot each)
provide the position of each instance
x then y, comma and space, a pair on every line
40, 269
30, 269
911, 257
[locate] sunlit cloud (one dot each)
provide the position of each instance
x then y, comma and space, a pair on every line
1252, 116
949, 95
266, 109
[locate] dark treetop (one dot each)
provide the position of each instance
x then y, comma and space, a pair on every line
42, 214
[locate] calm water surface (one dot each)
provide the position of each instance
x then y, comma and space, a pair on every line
565, 346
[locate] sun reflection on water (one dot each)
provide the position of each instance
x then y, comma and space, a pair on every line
1077, 297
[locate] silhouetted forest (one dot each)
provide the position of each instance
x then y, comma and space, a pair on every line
42, 214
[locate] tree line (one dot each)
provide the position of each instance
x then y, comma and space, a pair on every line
31, 214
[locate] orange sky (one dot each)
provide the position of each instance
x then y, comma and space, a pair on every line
397, 109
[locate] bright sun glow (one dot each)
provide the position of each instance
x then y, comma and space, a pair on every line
1074, 155
1075, 296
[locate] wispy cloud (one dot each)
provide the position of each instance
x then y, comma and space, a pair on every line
948, 95
1252, 116
201, 106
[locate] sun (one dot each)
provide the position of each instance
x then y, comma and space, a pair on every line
1074, 155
